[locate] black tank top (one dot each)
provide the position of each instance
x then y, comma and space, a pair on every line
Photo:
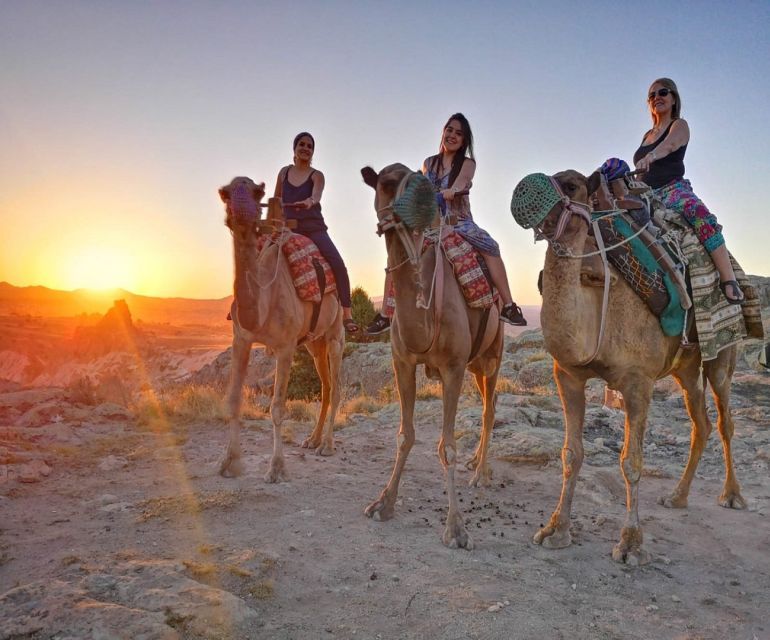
309, 220
666, 169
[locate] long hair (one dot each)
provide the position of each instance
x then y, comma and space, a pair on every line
465, 151
676, 110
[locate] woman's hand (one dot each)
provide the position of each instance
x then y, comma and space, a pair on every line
448, 194
645, 162
307, 203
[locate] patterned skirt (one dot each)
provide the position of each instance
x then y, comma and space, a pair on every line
477, 237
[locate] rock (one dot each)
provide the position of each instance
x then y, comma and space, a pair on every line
33, 471
112, 463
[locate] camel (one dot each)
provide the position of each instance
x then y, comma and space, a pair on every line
266, 309
634, 353
442, 338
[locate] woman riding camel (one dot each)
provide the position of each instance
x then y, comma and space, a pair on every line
661, 159
451, 172
299, 187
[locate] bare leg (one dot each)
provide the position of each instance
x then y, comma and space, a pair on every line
691, 381
637, 393
383, 507
277, 472
455, 534
231, 465
719, 373
499, 276
556, 535
721, 259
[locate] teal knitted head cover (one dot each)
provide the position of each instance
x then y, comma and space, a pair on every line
533, 198
416, 206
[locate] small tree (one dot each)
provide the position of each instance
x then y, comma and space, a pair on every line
363, 311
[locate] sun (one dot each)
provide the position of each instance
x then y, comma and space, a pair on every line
101, 267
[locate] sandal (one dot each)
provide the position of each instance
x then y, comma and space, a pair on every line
511, 313
734, 286
379, 325
350, 325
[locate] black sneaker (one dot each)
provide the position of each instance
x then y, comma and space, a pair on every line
379, 325
511, 313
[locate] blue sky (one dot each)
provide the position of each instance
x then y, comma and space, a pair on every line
120, 120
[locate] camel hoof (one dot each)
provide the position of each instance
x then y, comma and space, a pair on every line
325, 450
455, 534
673, 501
732, 501
309, 443
277, 471
632, 557
482, 477
472, 463
379, 510
231, 467
553, 538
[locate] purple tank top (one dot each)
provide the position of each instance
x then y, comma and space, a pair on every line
309, 220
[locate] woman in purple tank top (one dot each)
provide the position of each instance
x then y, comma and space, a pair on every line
661, 159
300, 187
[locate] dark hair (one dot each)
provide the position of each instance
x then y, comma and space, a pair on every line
676, 110
465, 151
300, 135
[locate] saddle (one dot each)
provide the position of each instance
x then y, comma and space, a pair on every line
648, 260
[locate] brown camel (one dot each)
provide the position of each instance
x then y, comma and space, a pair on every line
266, 309
634, 353
443, 341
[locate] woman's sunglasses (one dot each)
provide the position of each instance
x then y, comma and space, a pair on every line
660, 92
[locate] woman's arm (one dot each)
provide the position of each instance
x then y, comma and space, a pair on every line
279, 183
463, 182
318, 188
678, 136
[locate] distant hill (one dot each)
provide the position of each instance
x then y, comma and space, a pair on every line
52, 303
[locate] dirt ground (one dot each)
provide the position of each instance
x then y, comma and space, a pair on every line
305, 562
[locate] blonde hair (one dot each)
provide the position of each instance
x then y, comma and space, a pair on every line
668, 83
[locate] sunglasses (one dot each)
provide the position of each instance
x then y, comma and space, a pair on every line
660, 92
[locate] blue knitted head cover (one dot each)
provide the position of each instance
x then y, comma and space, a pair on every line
614, 168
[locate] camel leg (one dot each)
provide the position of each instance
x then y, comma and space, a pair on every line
637, 393
283, 358
322, 443
455, 533
334, 361
383, 507
232, 465
483, 475
556, 535
719, 374
691, 381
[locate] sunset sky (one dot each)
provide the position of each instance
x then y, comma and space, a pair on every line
120, 120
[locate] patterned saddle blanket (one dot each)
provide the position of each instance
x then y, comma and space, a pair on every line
467, 266
304, 261
718, 324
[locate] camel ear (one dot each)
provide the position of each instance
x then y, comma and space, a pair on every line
593, 182
370, 177
259, 191
224, 193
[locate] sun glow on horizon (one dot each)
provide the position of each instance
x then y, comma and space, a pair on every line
100, 268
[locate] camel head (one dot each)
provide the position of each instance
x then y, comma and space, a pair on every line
242, 201
406, 196
539, 200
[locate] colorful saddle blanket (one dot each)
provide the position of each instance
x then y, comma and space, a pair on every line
303, 256
467, 266
718, 324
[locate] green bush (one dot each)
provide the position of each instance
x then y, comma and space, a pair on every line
362, 307
304, 383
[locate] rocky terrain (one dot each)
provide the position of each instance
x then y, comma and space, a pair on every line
115, 524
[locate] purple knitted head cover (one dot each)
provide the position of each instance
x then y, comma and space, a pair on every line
613, 168
242, 203
302, 134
